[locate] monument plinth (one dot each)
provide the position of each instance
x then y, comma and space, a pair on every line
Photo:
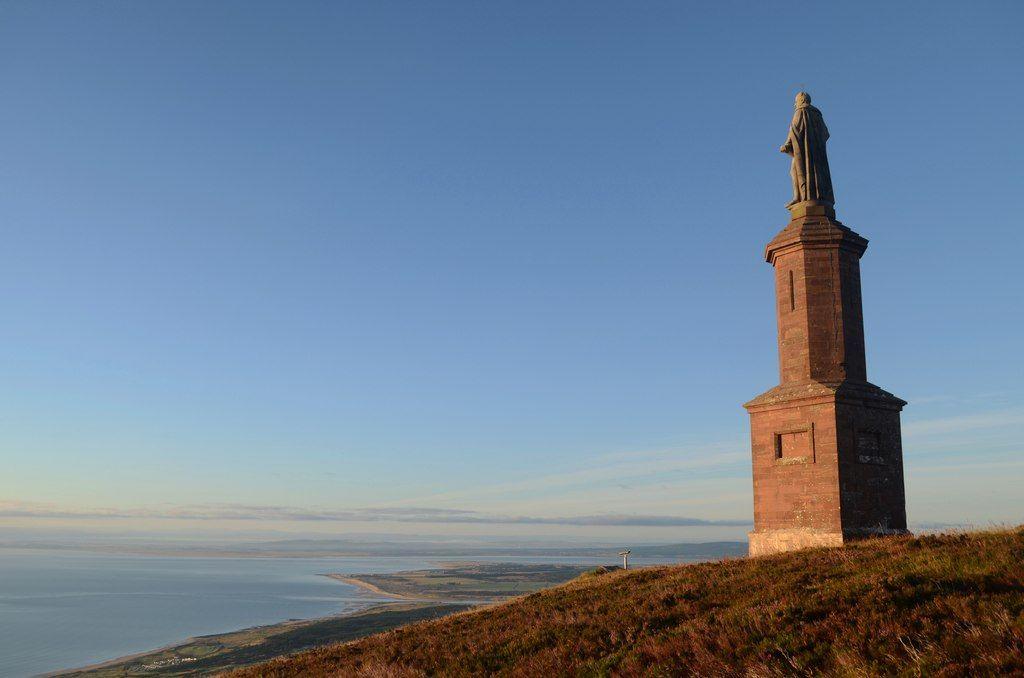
826, 444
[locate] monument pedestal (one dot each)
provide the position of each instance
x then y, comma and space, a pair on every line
827, 465
826, 444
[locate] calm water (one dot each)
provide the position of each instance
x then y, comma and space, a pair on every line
66, 609
61, 610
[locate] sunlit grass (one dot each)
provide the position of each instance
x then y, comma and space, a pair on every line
946, 605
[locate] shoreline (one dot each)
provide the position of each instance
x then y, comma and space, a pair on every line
170, 646
271, 629
367, 586
275, 627
369, 606
265, 634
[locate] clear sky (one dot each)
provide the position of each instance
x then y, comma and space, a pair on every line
350, 266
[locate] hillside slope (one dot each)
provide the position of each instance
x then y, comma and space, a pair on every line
936, 605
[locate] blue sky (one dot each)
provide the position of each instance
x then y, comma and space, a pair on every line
300, 262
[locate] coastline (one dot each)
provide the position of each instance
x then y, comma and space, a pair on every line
413, 596
191, 639
255, 644
262, 632
367, 586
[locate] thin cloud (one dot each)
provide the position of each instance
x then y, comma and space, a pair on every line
634, 468
18, 509
966, 422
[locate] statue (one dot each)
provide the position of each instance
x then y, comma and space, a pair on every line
806, 143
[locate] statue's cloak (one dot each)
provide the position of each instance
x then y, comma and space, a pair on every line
806, 142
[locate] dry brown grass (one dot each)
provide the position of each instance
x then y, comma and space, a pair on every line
950, 605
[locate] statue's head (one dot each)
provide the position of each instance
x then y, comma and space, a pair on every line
803, 99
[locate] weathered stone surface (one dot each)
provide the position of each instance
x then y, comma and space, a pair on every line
766, 543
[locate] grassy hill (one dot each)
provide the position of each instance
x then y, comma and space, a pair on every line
948, 605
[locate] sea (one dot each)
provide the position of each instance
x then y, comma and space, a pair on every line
67, 609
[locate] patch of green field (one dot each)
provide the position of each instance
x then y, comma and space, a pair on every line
470, 581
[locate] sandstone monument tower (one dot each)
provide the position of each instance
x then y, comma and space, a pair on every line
827, 451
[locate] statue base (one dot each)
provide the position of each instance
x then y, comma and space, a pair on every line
812, 208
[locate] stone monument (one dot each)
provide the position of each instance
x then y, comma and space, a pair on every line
826, 444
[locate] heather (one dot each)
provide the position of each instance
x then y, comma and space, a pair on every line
948, 605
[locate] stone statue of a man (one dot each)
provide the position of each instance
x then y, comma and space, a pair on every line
806, 143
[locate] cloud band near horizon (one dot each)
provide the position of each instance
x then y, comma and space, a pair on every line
19, 509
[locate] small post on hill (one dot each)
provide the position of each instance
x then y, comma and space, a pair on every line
625, 559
